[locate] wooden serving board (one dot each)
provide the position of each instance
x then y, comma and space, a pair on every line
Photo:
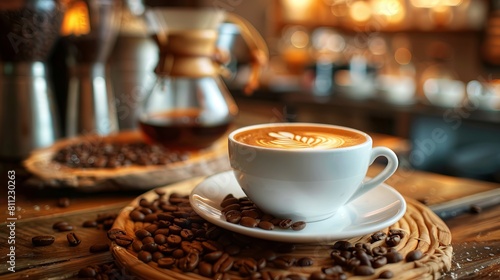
423, 231
49, 173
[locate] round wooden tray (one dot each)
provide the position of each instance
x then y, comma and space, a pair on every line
424, 230
49, 173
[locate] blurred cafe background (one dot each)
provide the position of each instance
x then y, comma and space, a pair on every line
426, 72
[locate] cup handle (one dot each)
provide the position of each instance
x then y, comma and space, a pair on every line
391, 167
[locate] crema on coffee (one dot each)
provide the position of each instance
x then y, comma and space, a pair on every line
300, 137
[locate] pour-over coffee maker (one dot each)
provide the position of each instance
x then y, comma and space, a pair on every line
189, 107
28, 113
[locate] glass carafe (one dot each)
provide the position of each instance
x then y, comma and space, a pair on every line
189, 107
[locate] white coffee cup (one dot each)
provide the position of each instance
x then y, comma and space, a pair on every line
305, 171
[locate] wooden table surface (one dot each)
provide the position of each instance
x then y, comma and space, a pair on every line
476, 236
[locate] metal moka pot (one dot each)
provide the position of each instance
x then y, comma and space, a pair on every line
28, 113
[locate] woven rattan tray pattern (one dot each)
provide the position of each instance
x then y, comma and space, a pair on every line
424, 231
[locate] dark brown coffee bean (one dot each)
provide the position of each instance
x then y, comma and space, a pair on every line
379, 251
353, 263
87, 272
157, 255
73, 239
65, 228
398, 232
142, 233
300, 225
43, 240
99, 248
178, 253
386, 274
233, 216
137, 216
363, 258
189, 247
137, 245
284, 262
294, 277
285, 248
317, 275
342, 245
63, 202
230, 207
268, 255
160, 239
265, 225
211, 246
205, 269
166, 216
229, 201
175, 229
112, 233
152, 228
332, 270
150, 247
59, 224
89, 224
223, 264
248, 222
377, 236
123, 240
379, 261
305, 261
189, 262
253, 213
147, 240
167, 262
285, 223
414, 255
363, 270
232, 249
145, 256
393, 257
392, 240
174, 240
187, 234
213, 256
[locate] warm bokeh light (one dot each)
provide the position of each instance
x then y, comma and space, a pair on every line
434, 3
403, 56
76, 20
392, 10
299, 39
360, 11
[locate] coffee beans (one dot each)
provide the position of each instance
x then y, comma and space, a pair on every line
414, 255
73, 239
177, 238
244, 212
97, 154
99, 248
43, 240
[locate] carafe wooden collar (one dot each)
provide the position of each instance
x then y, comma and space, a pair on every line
188, 53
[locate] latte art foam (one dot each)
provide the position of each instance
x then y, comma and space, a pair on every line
300, 137
305, 140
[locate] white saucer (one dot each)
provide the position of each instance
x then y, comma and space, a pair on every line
380, 208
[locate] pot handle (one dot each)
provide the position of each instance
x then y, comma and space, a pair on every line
258, 50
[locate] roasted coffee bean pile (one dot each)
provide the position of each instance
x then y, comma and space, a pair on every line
244, 212
168, 232
104, 271
97, 154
